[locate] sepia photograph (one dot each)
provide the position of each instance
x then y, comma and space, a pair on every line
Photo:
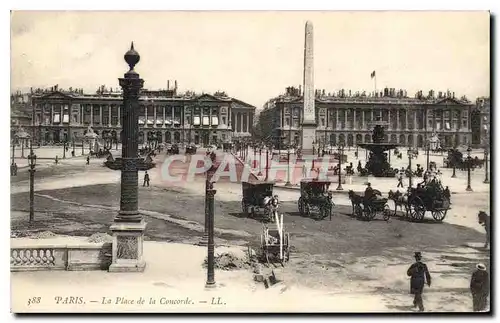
250, 162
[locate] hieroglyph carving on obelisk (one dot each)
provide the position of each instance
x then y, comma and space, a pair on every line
309, 113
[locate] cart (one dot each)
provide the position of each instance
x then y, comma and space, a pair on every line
275, 244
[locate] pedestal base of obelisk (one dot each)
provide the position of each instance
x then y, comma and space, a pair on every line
127, 247
308, 137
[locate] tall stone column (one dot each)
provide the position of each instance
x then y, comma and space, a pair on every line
119, 116
109, 115
164, 108
146, 116
309, 120
91, 114
100, 115
154, 113
398, 126
128, 226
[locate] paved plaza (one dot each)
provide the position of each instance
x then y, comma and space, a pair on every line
325, 258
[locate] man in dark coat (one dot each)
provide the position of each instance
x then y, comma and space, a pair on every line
480, 288
419, 276
146, 179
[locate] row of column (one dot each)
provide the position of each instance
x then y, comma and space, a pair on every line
390, 124
238, 124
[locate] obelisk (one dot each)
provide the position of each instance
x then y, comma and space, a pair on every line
309, 115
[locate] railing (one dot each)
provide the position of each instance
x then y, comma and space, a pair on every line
60, 257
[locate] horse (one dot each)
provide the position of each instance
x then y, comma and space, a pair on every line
399, 200
355, 199
484, 219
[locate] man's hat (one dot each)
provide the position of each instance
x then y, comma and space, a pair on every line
418, 254
368, 183
481, 266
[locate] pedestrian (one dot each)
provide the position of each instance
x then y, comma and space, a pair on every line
73, 153
400, 180
480, 288
484, 219
146, 179
420, 275
304, 170
88, 160
57, 160
15, 169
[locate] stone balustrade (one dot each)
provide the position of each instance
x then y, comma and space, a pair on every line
96, 256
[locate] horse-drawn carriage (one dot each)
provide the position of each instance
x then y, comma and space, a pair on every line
368, 207
259, 197
431, 197
191, 149
314, 196
173, 149
275, 243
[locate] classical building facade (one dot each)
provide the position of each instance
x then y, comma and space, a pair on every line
20, 112
164, 116
347, 118
480, 122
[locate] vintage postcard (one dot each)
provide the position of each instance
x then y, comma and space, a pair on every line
250, 162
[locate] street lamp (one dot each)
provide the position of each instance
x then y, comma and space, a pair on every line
260, 161
64, 149
411, 154
340, 155
454, 160
32, 164
267, 164
486, 153
469, 161
13, 150
427, 152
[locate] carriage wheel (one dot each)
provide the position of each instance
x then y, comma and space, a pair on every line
418, 212
358, 211
301, 206
387, 212
324, 212
307, 209
370, 213
439, 214
244, 208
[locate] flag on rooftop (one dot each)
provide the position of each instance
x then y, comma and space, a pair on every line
373, 74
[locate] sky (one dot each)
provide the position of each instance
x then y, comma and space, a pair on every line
253, 56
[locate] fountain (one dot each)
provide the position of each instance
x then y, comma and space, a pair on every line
377, 164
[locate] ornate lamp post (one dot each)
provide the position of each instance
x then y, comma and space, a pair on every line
454, 160
411, 154
486, 153
267, 164
254, 156
32, 164
469, 162
427, 152
260, 161
340, 155
64, 149
128, 226
208, 237
13, 150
